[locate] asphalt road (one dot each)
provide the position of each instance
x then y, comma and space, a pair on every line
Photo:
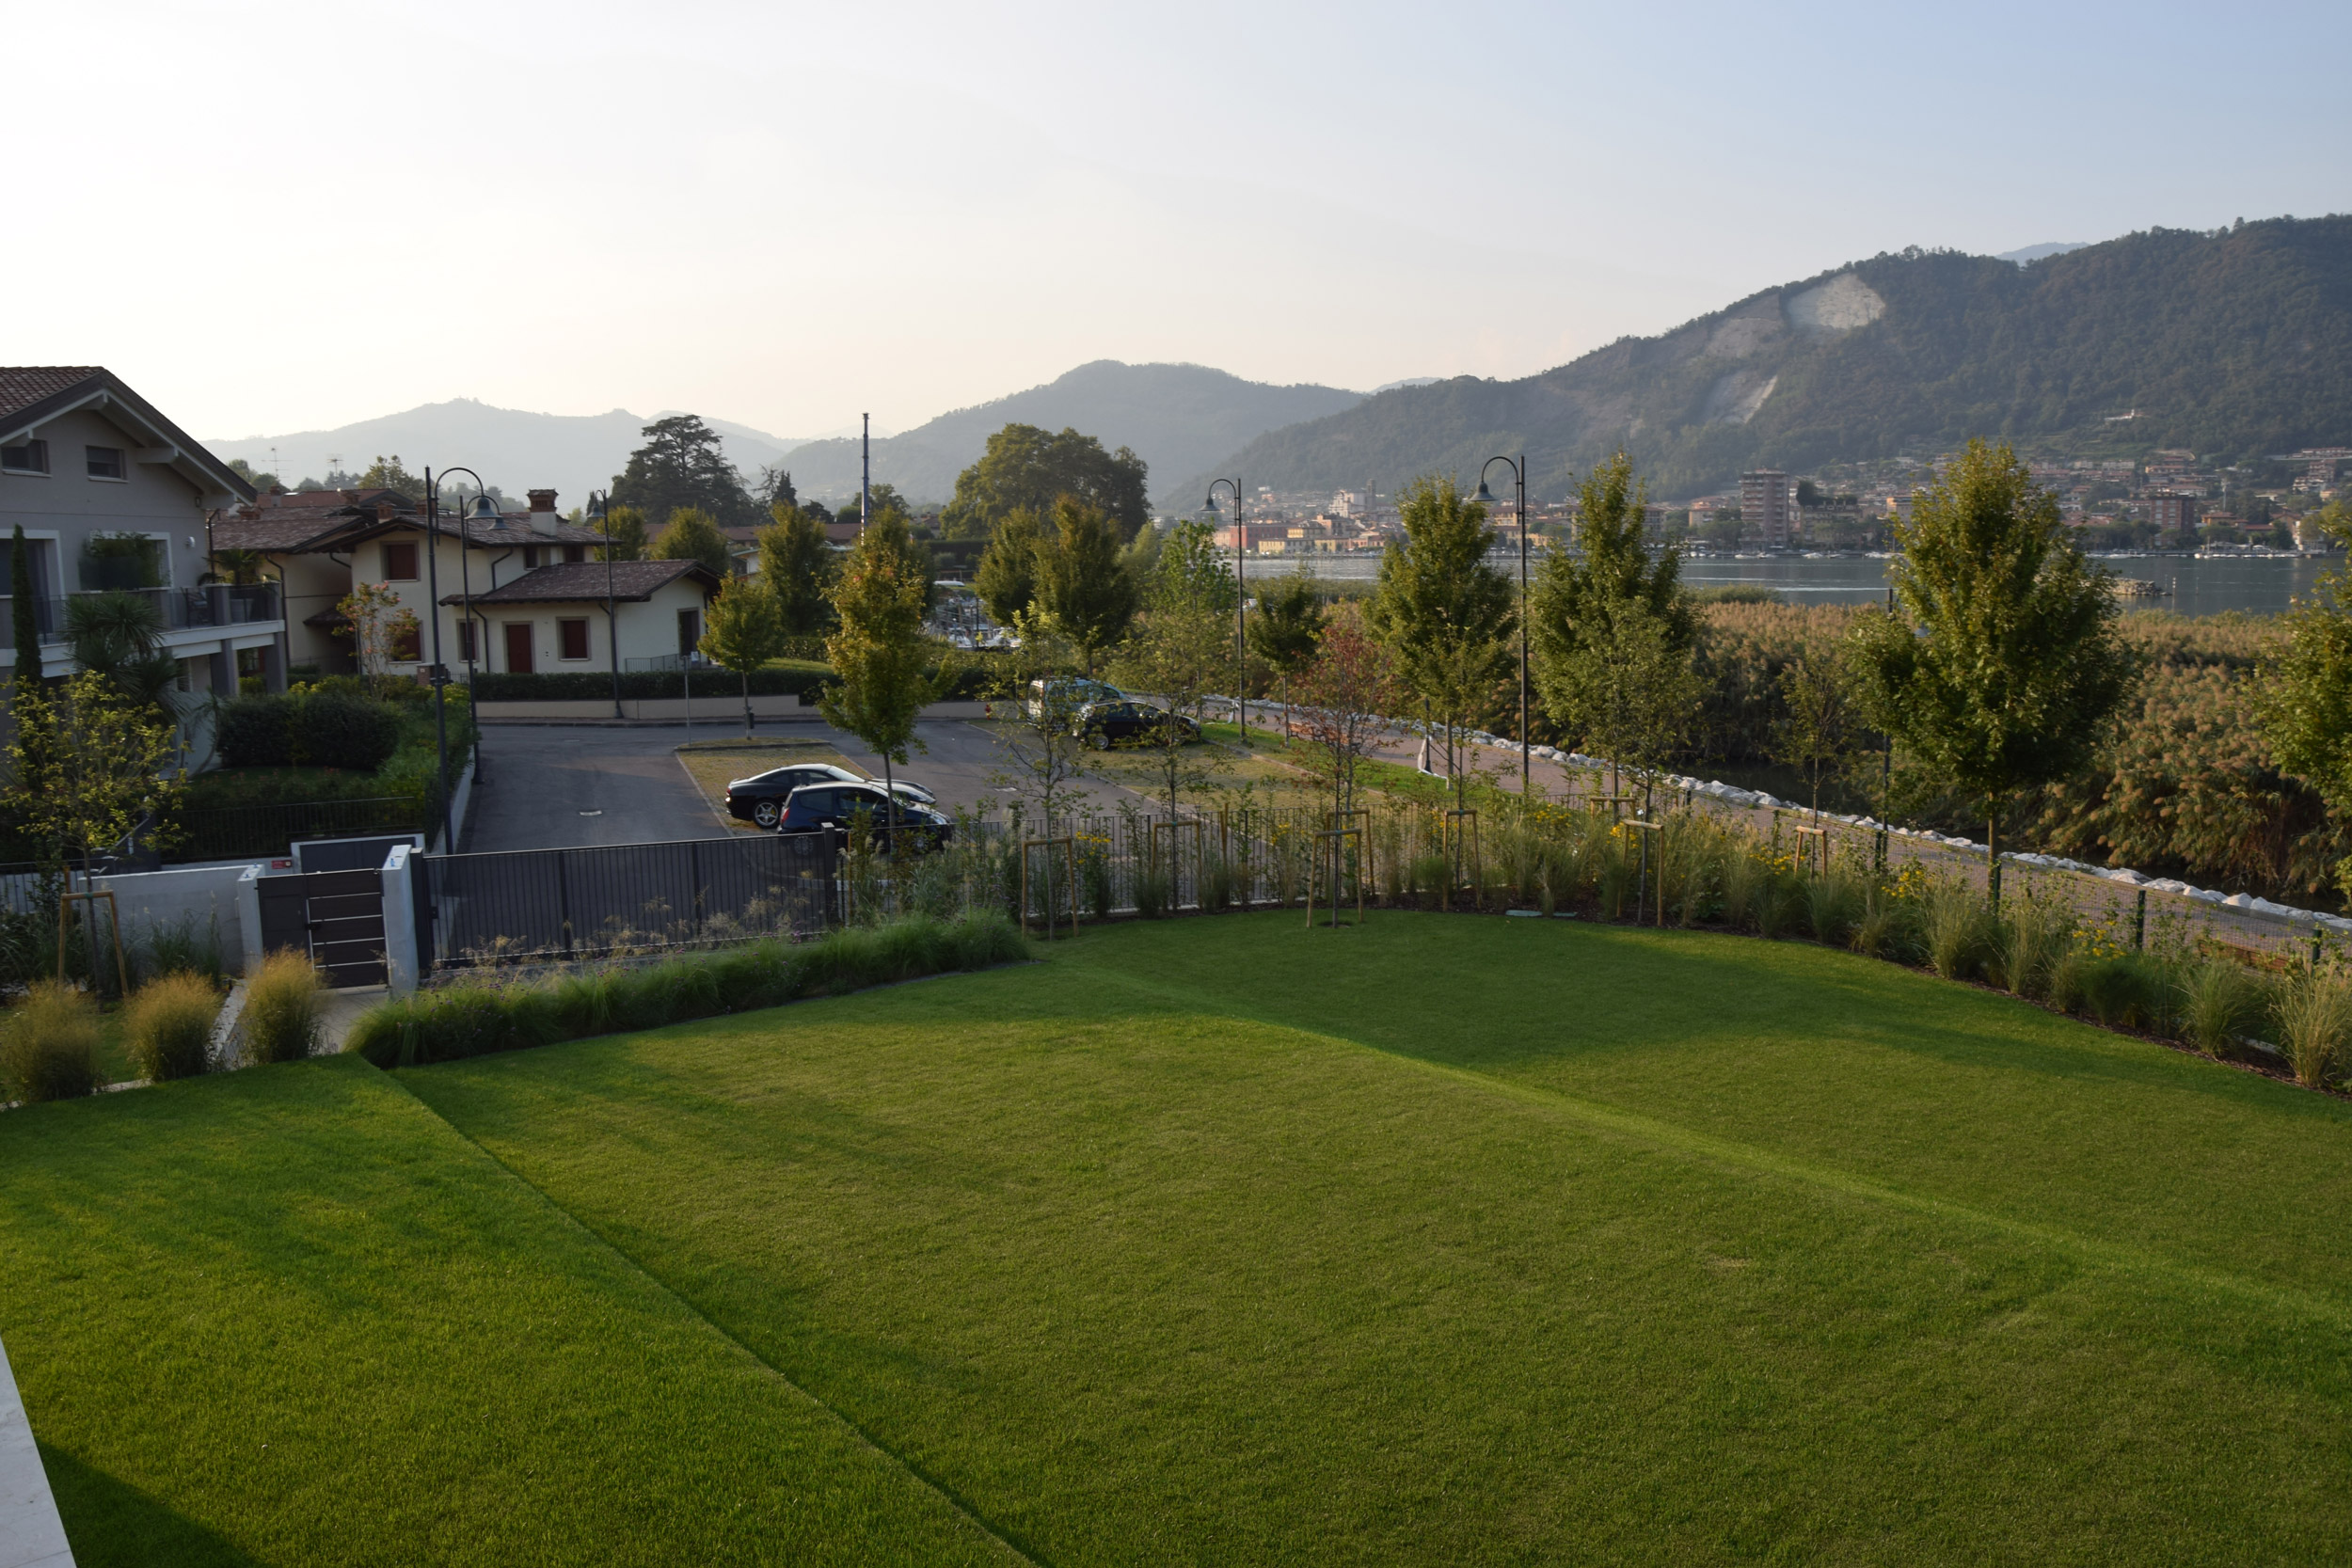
560, 786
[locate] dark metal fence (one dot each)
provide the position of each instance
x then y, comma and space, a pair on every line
542, 904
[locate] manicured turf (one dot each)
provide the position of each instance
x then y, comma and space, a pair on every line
1442, 1239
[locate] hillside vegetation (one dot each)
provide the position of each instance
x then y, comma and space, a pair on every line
2236, 343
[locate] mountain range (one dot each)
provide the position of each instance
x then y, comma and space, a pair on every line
1178, 419
2235, 342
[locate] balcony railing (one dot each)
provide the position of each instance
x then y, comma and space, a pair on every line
177, 608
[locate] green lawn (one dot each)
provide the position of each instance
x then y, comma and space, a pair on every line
1442, 1239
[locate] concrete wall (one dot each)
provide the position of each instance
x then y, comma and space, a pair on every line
147, 899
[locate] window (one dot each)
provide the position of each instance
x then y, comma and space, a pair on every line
30, 458
574, 554
408, 645
690, 630
574, 636
400, 561
102, 462
465, 640
531, 558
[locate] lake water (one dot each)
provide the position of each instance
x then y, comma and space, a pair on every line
2261, 585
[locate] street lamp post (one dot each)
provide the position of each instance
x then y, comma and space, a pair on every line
600, 507
481, 507
1486, 497
1241, 608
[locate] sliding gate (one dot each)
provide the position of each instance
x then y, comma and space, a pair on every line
543, 904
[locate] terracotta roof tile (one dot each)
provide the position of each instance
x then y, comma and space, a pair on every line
22, 386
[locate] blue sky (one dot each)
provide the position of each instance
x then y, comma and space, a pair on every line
273, 217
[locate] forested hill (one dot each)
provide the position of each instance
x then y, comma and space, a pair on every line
1177, 418
2234, 342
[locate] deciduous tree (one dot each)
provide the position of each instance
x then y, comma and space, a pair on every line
1082, 587
103, 762
1005, 579
625, 534
2002, 666
882, 668
797, 565
1285, 630
1026, 468
1445, 611
745, 630
1348, 695
693, 534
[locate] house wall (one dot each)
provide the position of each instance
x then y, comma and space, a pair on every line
647, 630
68, 506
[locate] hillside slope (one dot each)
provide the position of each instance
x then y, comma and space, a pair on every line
2236, 343
1178, 419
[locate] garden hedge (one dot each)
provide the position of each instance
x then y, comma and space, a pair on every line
790, 680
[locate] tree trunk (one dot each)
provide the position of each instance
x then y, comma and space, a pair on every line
746, 676
1993, 856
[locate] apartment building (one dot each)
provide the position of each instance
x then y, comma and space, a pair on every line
114, 498
1768, 507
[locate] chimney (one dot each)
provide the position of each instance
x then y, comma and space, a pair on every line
544, 517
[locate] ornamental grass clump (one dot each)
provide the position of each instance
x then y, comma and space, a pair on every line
1834, 905
2220, 1002
49, 1045
1957, 929
2313, 1011
282, 1009
2128, 990
2027, 943
168, 1026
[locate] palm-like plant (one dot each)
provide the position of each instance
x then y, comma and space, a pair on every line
119, 636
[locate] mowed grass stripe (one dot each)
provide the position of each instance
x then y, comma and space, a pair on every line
289, 1316
1941, 1093
1152, 1283
564, 1216
1752, 1157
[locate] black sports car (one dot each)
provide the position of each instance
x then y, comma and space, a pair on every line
760, 798
862, 808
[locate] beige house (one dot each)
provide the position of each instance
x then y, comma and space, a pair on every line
520, 592
115, 498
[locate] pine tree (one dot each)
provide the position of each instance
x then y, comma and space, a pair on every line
1446, 611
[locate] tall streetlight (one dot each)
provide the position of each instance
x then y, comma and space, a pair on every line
482, 508
1486, 498
1241, 608
599, 508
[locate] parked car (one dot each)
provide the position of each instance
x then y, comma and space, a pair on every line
1070, 695
1127, 722
865, 808
759, 798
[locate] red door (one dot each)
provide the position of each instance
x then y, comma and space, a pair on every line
518, 647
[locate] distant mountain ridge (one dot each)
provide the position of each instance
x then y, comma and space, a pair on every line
512, 449
1178, 419
2236, 341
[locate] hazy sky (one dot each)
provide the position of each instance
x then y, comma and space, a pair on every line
279, 217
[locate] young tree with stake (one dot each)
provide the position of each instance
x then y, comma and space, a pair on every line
884, 668
1445, 611
1081, 586
1285, 630
1346, 695
2003, 665
1180, 650
745, 631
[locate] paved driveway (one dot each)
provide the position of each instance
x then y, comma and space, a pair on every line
556, 786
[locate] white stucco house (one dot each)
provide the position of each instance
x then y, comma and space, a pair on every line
112, 496
523, 593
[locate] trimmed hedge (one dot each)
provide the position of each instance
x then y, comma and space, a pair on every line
478, 1017
322, 729
789, 680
